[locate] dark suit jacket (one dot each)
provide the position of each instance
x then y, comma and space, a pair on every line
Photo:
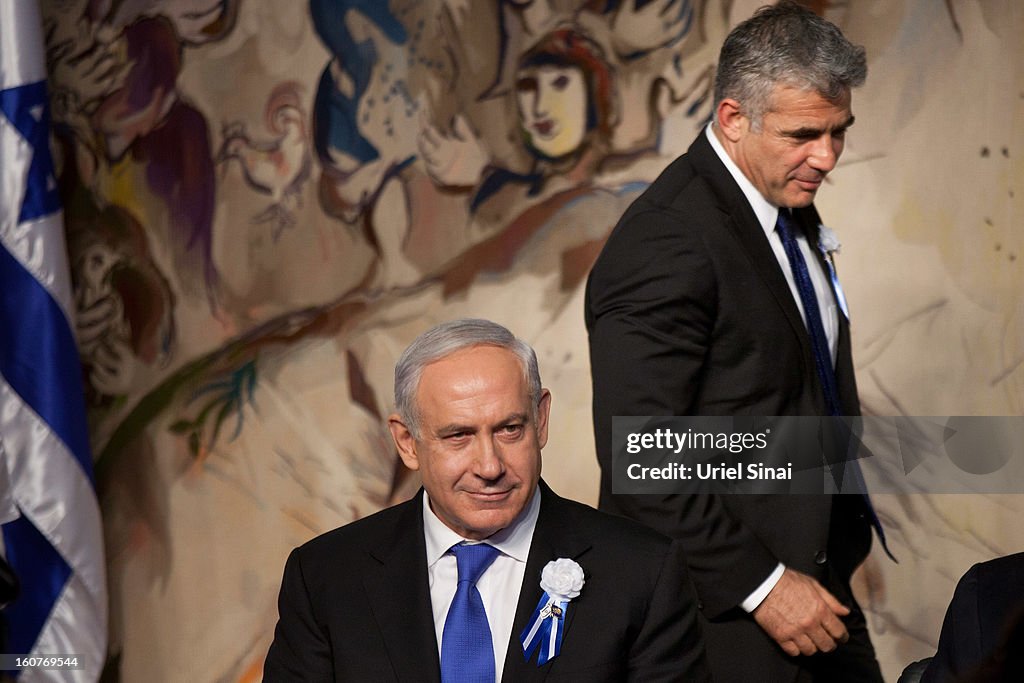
355, 603
986, 600
689, 313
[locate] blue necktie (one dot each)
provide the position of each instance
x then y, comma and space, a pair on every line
467, 655
819, 348
815, 328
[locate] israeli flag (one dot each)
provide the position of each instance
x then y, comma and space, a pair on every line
53, 540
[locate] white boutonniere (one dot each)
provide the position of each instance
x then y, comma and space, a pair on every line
561, 580
829, 245
827, 241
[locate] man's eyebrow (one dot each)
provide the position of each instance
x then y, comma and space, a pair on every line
810, 131
846, 124
453, 428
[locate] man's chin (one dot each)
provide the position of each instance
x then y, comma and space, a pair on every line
487, 527
488, 520
800, 200
800, 194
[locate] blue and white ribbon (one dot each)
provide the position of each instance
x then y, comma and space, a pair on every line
828, 244
836, 287
545, 628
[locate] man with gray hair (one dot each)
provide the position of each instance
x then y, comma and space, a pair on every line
486, 574
716, 295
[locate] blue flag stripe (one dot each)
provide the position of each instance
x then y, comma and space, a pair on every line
38, 356
31, 555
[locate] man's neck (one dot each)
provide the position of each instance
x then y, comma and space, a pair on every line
765, 211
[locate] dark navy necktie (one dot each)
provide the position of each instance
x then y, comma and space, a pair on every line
815, 328
819, 348
467, 653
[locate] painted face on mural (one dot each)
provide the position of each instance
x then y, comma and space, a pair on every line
552, 102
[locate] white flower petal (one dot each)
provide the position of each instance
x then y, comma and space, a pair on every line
827, 240
562, 579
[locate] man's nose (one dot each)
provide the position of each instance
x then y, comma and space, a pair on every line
489, 462
825, 153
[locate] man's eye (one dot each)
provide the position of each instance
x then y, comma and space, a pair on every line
561, 83
512, 430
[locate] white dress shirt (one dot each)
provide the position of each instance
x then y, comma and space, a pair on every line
500, 583
767, 215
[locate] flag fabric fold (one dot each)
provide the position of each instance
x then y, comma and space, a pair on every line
54, 542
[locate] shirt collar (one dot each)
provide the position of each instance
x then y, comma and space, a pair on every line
767, 213
514, 540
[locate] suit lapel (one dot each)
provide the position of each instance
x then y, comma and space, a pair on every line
401, 605
552, 539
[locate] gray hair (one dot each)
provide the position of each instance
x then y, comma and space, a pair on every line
789, 45
444, 340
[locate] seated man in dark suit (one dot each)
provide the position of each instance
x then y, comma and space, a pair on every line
987, 600
486, 574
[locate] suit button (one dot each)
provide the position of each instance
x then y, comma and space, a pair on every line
820, 557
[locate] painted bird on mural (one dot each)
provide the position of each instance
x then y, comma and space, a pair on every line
278, 166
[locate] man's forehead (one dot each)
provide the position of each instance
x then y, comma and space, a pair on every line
481, 350
470, 366
470, 398
785, 97
795, 110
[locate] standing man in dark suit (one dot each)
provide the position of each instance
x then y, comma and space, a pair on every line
450, 585
715, 296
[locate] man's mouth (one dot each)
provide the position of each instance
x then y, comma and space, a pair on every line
809, 185
490, 496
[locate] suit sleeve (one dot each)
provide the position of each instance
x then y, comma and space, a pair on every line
300, 650
669, 646
651, 313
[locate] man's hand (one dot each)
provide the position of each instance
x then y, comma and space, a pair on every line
801, 616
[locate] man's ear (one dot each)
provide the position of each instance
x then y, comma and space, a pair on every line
543, 410
731, 120
404, 441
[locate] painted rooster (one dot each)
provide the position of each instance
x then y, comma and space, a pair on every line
278, 166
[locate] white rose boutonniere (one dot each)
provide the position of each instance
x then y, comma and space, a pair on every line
561, 580
827, 240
